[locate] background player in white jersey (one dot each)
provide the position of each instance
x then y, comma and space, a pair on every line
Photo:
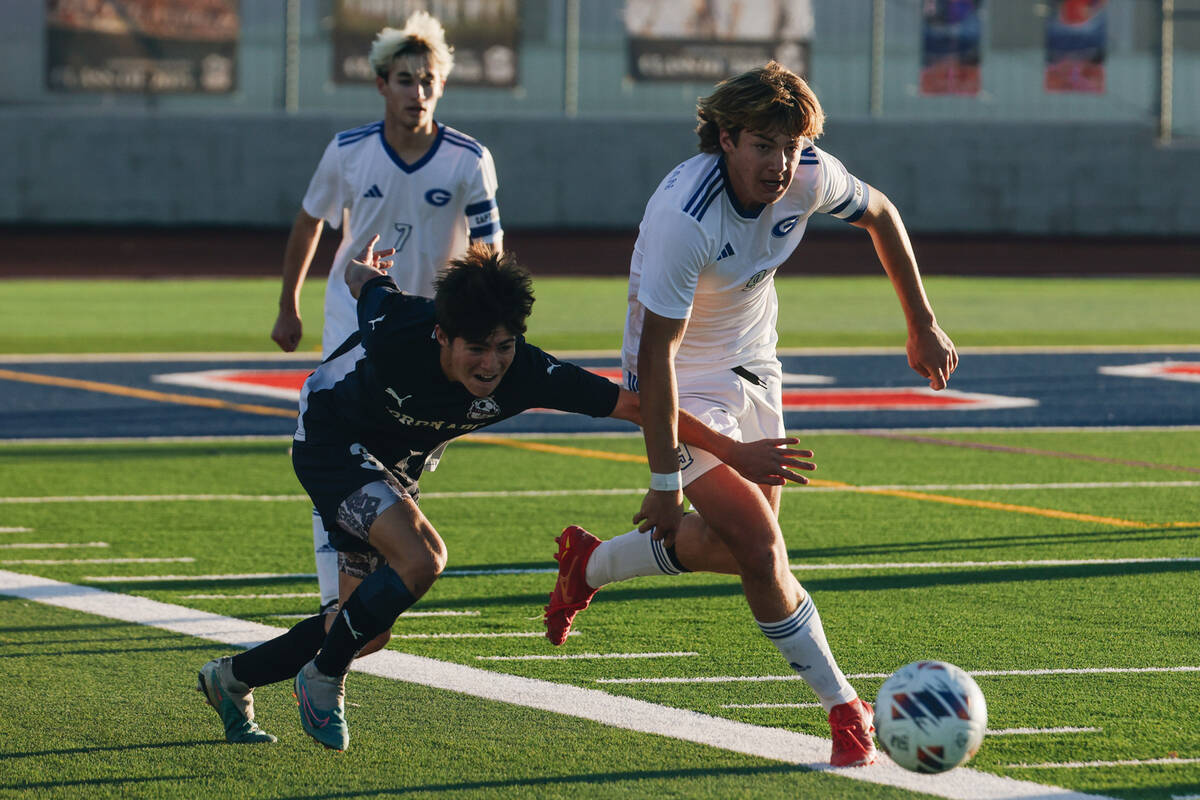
700, 336
425, 189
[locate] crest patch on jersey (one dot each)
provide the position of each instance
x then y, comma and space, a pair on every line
438, 197
483, 408
756, 279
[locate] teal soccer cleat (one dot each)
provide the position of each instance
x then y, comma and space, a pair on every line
233, 700
322, 706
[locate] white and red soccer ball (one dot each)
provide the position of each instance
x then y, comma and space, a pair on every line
930, 716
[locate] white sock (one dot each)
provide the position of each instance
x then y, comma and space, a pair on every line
327, 561
801, 639
630, 555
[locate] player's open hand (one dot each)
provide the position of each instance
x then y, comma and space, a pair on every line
932, 355
769, 461
367, 265
660, 514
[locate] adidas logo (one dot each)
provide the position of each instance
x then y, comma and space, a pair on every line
373, 191
727, 250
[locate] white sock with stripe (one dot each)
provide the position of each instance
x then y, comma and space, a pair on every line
630, 555
801, 639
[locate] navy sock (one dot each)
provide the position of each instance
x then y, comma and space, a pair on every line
282, 657
670, 551
370, 611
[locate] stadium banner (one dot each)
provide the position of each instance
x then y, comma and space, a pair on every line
1076, 42
682, 40
485, 37
142, 46
950, 46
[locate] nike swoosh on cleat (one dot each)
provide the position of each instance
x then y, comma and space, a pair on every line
314, 720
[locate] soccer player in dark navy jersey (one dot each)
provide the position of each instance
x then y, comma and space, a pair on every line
418, 373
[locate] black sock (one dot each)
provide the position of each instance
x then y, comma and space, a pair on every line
370, 611
282, 657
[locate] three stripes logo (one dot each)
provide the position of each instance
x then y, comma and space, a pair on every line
726, 251
373, 191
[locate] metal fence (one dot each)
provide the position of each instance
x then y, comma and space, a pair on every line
864, 60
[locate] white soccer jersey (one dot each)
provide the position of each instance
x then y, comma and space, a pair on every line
427, 210
699, 254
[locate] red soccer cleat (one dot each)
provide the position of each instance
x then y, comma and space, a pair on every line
852, 725
571, 593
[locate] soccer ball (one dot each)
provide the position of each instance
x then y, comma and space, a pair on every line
930, 716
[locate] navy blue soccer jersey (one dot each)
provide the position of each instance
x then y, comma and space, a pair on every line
384, 387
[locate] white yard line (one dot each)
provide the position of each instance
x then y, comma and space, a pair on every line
573, 656
469, 572
1185, 797
16, 530
404, 616
771, 705
986, 673
1128, 762
49, 545
615, 492
54, 561
1040, 731
249, 576
282, 596
1041, 562
622, 712
492, 635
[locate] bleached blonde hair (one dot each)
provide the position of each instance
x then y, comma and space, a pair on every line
422, 35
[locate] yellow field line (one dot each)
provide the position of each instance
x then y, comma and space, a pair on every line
208, 402
557, 449
144, 394
994, 506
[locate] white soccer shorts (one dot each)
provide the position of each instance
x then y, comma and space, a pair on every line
729, 403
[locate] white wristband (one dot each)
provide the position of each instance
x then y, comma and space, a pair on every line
666, 481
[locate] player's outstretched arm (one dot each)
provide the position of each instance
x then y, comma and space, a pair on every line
367, 265
765, 461
931, 353
297, 257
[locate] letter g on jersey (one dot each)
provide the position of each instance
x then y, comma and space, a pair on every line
784, 226
438, 197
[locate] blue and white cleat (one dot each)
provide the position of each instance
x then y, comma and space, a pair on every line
321, 699
233, 700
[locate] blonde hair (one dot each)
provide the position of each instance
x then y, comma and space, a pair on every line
422, 35
768, 98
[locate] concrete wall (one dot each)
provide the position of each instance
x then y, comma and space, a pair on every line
89, 166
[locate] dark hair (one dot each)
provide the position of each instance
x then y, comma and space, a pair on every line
481, 291
768, 98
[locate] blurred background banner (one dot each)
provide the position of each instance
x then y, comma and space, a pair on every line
709, 40
950, 47
1076, 42
485, 37
142, 46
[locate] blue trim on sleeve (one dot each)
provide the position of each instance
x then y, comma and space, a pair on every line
702, 188
480, 207
862, 209
357, 134
484, 230
466, 142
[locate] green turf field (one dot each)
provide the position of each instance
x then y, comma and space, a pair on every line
587, 313
96, 707
1082, 571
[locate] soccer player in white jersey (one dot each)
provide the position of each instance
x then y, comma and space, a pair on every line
424, 188
700, 336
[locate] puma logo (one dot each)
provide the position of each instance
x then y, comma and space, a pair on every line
399, 400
